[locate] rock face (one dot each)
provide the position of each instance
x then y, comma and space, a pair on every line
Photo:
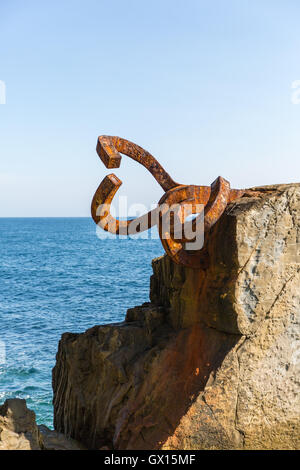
19, 431
213, 361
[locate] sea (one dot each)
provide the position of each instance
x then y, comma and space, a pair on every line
61, 275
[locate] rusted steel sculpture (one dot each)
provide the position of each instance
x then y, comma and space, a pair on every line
213, 198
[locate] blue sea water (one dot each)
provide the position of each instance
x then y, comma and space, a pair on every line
56, 275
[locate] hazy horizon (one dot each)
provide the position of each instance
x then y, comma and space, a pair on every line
206, 87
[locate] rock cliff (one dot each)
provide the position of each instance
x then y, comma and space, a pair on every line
212, 362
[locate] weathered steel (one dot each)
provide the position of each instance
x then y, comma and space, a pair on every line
108, 149
101, 210
213, 199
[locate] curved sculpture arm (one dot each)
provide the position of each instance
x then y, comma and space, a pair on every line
181, 237
108, 148
100, 209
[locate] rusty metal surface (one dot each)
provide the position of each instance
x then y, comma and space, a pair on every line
213, 199
108, 149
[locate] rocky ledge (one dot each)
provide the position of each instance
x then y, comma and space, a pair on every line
213, 361
19, 431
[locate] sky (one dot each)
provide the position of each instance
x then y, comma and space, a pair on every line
204, 85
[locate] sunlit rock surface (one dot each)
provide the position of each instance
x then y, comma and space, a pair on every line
213, 361
19, 431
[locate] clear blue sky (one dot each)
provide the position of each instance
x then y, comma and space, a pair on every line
204, 85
